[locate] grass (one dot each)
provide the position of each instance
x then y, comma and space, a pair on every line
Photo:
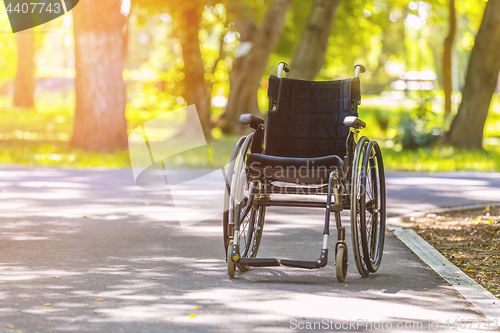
41, 137
442, 159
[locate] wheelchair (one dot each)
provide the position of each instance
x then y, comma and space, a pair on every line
310, 146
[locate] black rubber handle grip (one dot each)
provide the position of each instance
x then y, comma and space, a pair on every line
252, 120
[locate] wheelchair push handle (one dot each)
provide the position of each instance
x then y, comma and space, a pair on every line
252, 120
359, 69
283, 66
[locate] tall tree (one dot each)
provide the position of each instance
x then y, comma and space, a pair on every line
187, 20
311, 49
100, 122
447, 62
466, 130
24, 85
243, 89
186, 17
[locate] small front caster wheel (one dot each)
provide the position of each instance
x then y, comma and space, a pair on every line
341, 262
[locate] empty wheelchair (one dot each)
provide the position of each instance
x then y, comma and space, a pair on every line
310, 146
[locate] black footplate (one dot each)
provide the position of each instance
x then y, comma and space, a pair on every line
300, 264
259, 262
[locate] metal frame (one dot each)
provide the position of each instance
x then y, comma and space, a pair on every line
260, 191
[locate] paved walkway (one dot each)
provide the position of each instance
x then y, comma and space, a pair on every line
111, 257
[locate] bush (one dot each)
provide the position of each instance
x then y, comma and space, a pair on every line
420, 127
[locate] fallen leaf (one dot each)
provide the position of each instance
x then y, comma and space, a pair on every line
197, 308
49, 323
192, 315
11, 326
55, 276
84, 216
46, 304
98, 300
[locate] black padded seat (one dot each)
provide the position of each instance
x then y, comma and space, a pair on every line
314, 170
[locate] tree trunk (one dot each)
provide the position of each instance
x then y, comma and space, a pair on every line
243, 90
311, 48
100, 122
447, 62
24, 86
195, 89
482, 74
244, 17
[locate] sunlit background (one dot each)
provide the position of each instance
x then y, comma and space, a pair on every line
400, 42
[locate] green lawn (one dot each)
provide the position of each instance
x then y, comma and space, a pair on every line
41, 137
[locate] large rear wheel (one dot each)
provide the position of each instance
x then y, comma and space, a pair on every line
250, 230
356, 191
373, 207
229, 175
240, 206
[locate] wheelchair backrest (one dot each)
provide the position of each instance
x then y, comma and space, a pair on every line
308, 120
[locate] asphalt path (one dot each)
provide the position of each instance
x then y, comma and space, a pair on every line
89, 251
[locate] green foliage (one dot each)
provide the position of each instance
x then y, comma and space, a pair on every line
41, 138
442, 158
368, 32
420, 127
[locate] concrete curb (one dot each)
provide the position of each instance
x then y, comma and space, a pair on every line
473, 292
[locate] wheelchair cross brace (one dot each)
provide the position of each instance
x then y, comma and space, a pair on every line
336, 208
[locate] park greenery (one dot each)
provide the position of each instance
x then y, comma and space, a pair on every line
219, 56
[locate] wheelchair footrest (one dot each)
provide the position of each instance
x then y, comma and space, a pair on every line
300, 263
259, 262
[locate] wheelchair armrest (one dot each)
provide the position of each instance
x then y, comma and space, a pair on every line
353, 121
252, 120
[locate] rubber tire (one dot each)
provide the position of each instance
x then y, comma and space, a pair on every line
231, 265
341, 263
373, 264
355, 231
229, 177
